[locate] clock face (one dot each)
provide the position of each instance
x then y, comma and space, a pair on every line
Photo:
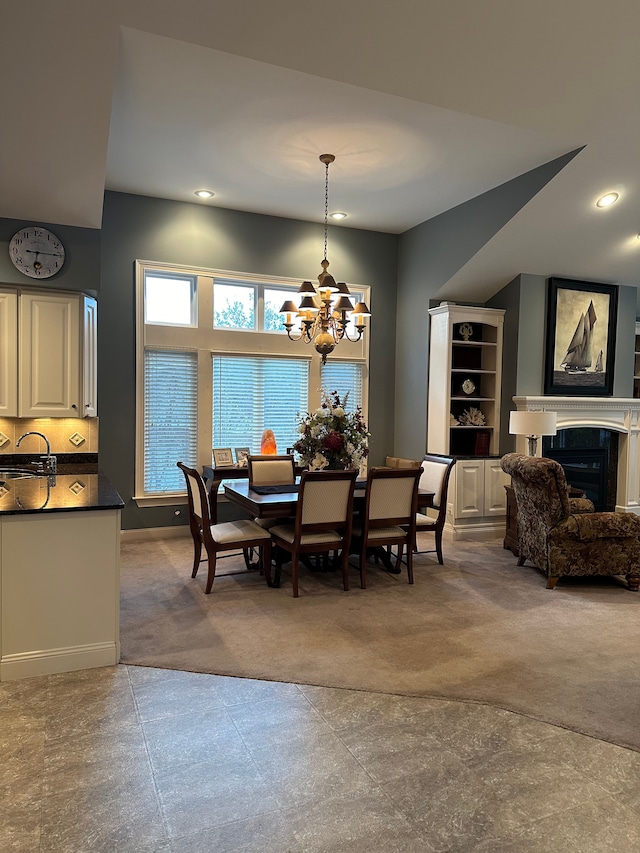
36, 252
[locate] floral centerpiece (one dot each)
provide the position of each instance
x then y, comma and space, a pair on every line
331, 437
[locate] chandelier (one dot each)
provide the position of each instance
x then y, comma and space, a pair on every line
325, 314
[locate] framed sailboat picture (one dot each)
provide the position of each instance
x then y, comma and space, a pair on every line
581, 338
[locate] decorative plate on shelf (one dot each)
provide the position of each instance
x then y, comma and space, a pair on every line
468, 386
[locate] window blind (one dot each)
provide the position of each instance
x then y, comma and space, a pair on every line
251, 394
342, 377
170, 418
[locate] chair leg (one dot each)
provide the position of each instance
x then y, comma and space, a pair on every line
633, 580
294, 574
345, 568
212, 571
439, 546
265, 561
551, 582
197, 554
363, 565
409, 561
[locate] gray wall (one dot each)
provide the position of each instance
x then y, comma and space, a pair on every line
429, 255
136, 227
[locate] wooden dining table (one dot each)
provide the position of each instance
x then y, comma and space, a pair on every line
282, 504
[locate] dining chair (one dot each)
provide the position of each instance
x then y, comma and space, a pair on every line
223, 536
436, 471
324, 515
389, 519
271, 470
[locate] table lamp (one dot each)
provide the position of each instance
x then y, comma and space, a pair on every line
533, 425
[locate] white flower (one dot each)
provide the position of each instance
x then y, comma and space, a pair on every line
318, 462
339, 411
301, 427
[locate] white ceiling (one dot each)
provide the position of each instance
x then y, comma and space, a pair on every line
425, 104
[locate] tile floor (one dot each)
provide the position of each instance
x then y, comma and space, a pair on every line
134, 759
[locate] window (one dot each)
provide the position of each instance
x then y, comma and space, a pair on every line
234, 306
251, 394
344, 377
170, 421
215, 368
169, 300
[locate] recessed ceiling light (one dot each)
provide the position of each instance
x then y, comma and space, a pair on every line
204, 193
338, 215
607, 200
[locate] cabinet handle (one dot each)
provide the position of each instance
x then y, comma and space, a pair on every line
73, 406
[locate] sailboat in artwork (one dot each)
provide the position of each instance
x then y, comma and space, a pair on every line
598, 368
578, 357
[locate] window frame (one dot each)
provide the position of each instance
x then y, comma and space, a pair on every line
207, 341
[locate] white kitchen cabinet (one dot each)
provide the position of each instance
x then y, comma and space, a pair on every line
50, 352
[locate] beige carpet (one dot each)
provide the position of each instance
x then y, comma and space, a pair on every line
478, 628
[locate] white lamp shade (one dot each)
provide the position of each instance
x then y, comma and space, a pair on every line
533, 423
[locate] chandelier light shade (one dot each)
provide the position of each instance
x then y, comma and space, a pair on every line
324, 313
533, 425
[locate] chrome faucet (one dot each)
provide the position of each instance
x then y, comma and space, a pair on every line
49, 462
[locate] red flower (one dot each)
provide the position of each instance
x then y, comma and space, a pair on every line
334, 442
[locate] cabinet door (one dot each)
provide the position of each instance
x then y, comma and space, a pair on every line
49, 364
469, 502
495, 496
8, 354
90, 358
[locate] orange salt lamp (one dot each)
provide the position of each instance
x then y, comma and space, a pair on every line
268, 443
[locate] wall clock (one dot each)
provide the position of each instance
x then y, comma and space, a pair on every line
36, 252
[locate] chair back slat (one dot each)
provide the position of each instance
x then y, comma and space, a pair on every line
271, 470
326, 501
194, 490
393, 497
435, 476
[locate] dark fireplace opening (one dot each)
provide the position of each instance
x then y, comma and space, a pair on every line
589, 457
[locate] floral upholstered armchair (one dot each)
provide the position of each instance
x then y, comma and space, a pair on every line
563, 536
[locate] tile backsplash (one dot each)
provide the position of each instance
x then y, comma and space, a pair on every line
66, 435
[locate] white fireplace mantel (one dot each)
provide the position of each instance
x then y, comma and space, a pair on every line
621, 414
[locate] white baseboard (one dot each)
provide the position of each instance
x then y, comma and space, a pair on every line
148, 534
50, 661
476, 532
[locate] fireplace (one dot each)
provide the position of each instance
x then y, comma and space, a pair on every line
589, 457
606, 461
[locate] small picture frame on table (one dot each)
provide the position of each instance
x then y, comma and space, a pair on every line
242, 456
222, 457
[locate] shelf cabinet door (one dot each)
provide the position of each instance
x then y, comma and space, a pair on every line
479, 488
469, 491
89, 358
8, 354
49, 365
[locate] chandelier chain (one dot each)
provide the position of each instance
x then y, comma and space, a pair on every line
326, 206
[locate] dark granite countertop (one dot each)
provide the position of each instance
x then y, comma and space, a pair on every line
77, 486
